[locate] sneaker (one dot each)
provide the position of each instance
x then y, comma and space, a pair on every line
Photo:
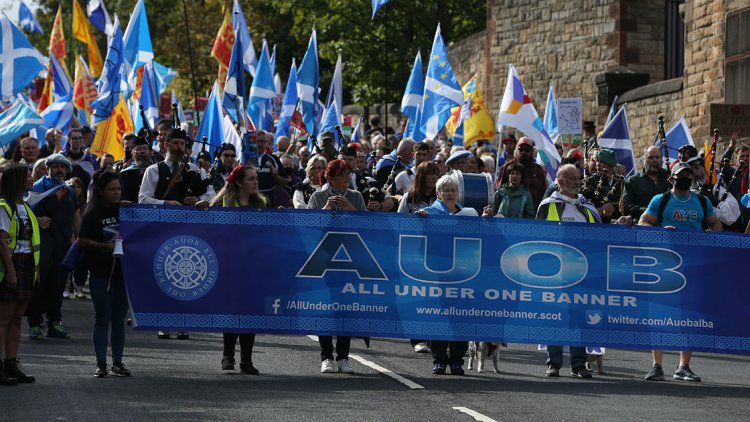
183, 335
120, 370
66, 294
101, 370
328, 366
552, 371
439, 369
248, 368
684, 373
227, 363
457, 369
57, 330
36, 333
421, 348
79, 293
655, 374
345, 366
164, 335
581, 372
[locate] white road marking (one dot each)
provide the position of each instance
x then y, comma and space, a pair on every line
385, 371
474, 414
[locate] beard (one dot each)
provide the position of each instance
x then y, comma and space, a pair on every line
525, 160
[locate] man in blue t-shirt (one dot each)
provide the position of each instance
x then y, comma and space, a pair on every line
683, 210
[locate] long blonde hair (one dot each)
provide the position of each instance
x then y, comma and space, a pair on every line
229, 193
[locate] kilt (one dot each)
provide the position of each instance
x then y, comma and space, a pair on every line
24, 265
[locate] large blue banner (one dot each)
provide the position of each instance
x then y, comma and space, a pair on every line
435, 277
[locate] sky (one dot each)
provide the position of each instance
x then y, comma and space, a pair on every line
10, 7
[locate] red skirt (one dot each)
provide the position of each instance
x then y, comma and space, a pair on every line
24, 266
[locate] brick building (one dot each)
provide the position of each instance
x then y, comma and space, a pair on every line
662, 57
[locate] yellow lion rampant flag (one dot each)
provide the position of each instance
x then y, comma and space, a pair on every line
478, 125
82, 32
108, 139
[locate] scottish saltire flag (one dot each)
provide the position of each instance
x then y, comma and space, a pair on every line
180, 110
60, 114
234, 87
307, 87
287, 108
82, 117
463, 115
108, 86
412, 99
149, 99
336, 93
612, 110
99, 16
550, 115
17, 120
62, 87
211, 125
441, 90
330, 121
272, 60
616, 136
137, 48
356, 131
376, 5
262, 92
27, 20
249, 60
164, 75
517, 110
19, 61
678, 136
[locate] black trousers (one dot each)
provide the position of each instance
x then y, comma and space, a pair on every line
47, 297
342, 347
247, 341
440, 351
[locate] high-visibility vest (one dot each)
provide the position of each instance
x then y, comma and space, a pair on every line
13, 236
553, 214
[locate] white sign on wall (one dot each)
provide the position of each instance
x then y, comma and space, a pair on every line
569, 116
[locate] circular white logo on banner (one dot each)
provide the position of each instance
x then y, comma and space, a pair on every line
185, 267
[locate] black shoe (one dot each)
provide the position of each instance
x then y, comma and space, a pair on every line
101, 370
227, 363
581, 372
13, 369
552, 371
439, 369
130, 321
120, 370
248, 368
183, 335
456, 369
164, 335
5, 379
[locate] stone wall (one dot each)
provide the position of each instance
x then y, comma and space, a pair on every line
467, 57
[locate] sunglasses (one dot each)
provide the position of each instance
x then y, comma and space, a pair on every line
525, 148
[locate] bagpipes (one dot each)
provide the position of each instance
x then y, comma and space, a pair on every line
661, 139
586, 149
197, 186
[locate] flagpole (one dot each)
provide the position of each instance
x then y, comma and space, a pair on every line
385, 127
196, 119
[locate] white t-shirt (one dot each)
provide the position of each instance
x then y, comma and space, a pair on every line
23, 243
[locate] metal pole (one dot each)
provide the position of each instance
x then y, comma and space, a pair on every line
385, 126
192, 65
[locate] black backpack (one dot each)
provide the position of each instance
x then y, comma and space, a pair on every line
665, 200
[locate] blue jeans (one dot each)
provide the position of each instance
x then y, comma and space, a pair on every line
577, 356
110, 308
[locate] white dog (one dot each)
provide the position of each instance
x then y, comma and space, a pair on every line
480, 350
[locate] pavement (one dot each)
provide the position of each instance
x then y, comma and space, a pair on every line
182, 380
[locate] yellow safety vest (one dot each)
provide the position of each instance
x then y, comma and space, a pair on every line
553, 215
13, 236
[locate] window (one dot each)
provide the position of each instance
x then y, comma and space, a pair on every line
674, 40
737, 67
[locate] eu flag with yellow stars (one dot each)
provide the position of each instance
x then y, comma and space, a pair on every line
441, 90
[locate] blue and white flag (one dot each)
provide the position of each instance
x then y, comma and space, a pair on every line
441, 90
149, 99
59, 114
464, 114
612, 111
307, 87
412, 99
249, 60
19, 61
211, 124
376, 5
272, 60
329, 123
164, 75
262, 93
287, 108
108, 86
83, 118
137, 49
678, 136
550, 115
99, 16
234, 87
616, 136
61, 84
356, 131
17, 120
27, 20
336, 93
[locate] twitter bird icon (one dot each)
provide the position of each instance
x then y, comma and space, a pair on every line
593, 317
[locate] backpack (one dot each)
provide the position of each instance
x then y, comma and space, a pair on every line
665, 200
